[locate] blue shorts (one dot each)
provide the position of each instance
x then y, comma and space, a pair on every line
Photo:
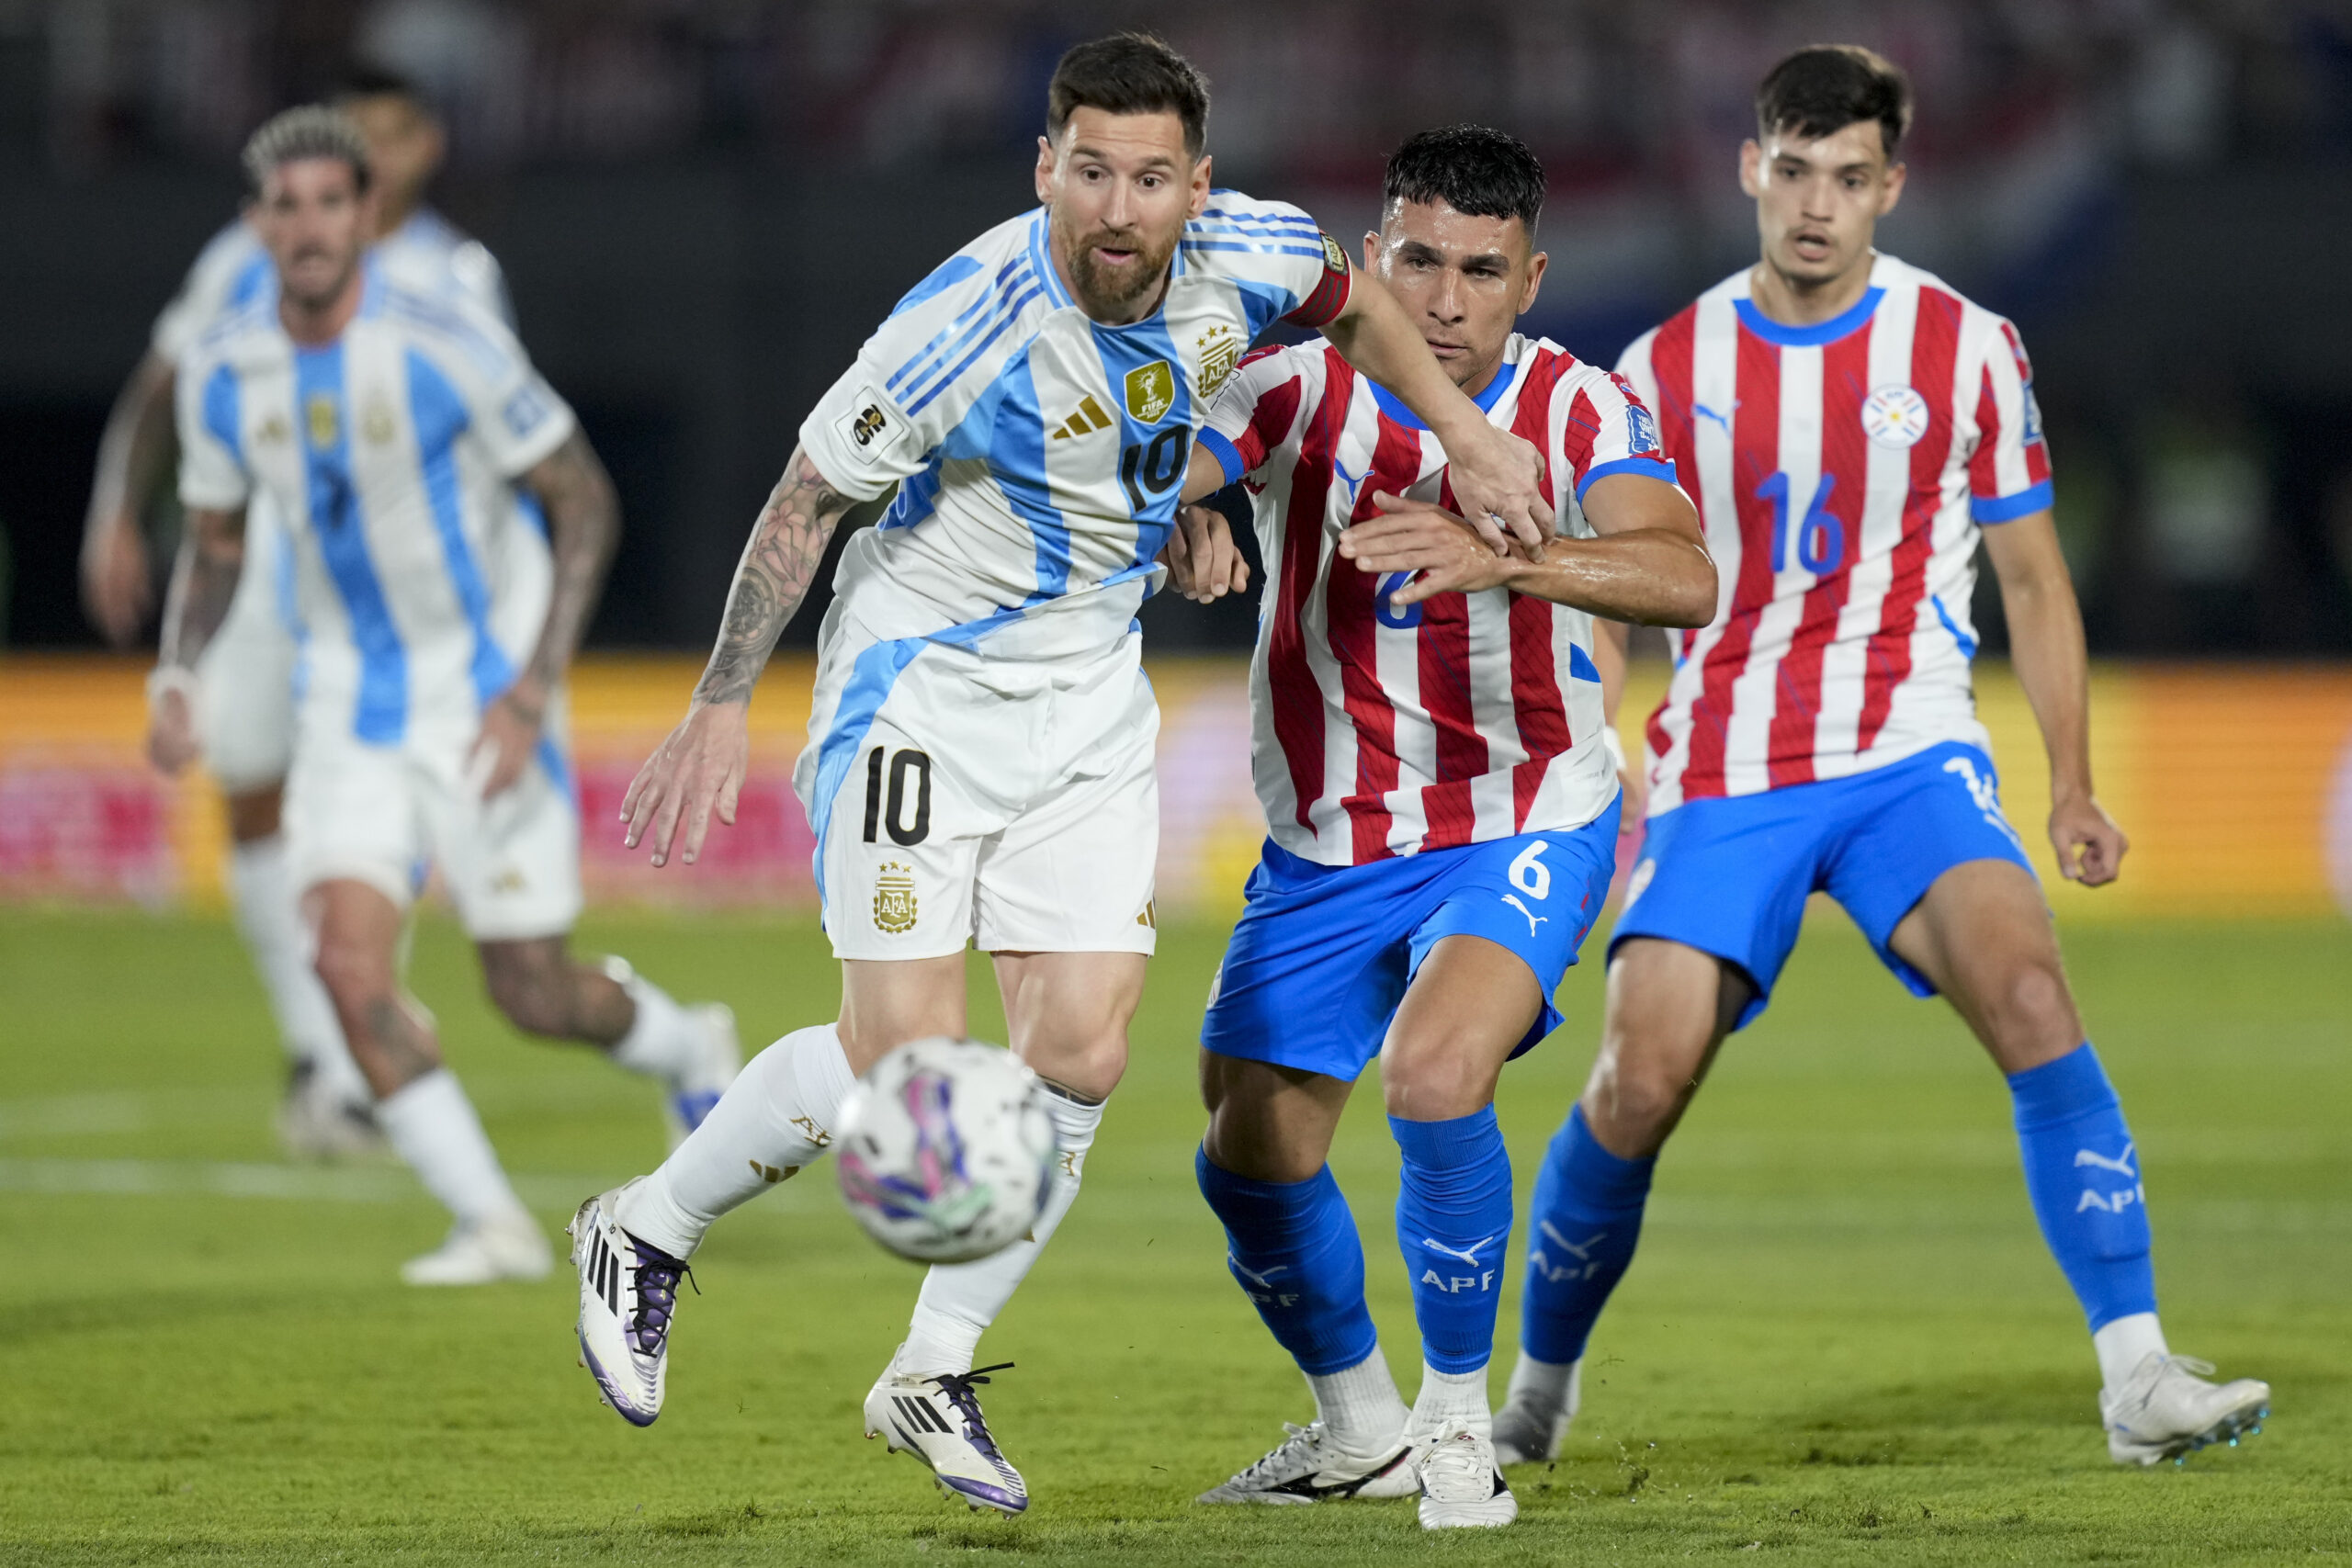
1323, 954
1729, 876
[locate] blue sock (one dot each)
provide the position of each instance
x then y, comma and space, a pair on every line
1584, 1222
2084, 1177
1453, 1228
1292, 1248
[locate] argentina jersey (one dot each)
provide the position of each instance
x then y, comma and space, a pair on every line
390, 453
1039, 453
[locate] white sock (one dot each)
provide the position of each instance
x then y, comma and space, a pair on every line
1555, 1386
960, 1300
1448, 1397
261, 891
777, 1116
1360, 1407
2124, 1344
433, 1126
665, 1040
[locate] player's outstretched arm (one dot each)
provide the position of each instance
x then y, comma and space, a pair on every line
204, 581
2046, 646
133, 456
1649, 566
584, 525
700, 767
1498, 477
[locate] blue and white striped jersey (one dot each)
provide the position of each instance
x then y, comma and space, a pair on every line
1039, 453
389, 453
427, 254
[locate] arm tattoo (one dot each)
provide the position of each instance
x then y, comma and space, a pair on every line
779, 562
584, 521
204, 579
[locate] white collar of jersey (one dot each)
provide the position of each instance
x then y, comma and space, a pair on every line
1506, 377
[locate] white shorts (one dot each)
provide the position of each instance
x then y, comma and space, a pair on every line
382, 814
959, 799
244, 708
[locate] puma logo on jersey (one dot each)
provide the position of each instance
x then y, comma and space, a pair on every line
1533, 919
1088, 418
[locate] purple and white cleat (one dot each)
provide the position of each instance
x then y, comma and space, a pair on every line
628, 1291
937, 1418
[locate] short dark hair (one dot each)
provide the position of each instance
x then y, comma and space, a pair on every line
312, 130
1129, 74
369, 81
1822, 90
1475, 169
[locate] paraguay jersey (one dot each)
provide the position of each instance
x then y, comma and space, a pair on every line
427, 254
1383, 729
1038, 453
1842, 471
389, 453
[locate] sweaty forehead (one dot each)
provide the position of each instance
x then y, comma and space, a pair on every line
1439, 227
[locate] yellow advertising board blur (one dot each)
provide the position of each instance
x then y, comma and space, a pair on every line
2233, 781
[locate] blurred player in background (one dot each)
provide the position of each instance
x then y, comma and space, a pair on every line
388, 429
1431, 753
1852, 429
981, 765
244, 696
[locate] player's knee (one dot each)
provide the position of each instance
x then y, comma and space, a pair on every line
2036, 1015
1434, 1085
350, 969
1637, 1094
531, 995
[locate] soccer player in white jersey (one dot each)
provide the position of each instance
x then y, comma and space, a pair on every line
389, 430
245, 694
980, 760
1852, 429
1442, 802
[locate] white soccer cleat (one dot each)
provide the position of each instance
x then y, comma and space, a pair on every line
1461, 1486
482, 1252
2166, 1410
1536, 1411
1307, 1466
688, 1096
318, 1125
629, 1296
938, 1420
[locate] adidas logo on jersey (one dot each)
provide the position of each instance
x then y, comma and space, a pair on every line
1088, 418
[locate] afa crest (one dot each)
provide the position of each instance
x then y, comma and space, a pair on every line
376, 423
319, 413
1151, 392
1220, 350
894, 899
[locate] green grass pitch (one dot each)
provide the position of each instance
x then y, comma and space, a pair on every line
1842, 1342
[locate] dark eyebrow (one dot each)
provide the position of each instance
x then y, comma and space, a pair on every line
1414, 250
1156, 161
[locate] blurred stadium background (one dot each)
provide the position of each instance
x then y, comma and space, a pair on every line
702, 205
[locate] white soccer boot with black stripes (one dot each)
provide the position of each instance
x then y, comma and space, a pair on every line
1461, 1483
628, 1292
1308, 1466
2166, 1410
937, 1418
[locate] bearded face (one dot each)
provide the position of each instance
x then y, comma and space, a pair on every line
1113, 270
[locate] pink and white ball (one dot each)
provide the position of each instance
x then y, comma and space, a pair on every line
945, 1150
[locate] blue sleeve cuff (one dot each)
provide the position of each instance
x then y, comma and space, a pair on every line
1647, 468
1227, 456
2009, 508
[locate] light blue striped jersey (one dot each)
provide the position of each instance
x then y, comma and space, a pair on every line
1038, 454
427, 254
389, 453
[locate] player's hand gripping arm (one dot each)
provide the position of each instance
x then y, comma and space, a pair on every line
204, 581
702, 764
2046, 646
133, 455
1204, 563
583, 523
1498, 477
1649, 566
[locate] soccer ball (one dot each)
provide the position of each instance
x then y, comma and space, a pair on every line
946, 1152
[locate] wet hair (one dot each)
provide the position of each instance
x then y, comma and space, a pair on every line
1129, 74
1822, 90
1475, 169
314, 131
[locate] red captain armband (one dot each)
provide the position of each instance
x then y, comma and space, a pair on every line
1322, 307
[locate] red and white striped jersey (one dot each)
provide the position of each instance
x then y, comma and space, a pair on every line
1383, 729
1843, 472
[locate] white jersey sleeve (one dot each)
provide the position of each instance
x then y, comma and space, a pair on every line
1635, 366
231, 269
510, 408
2009, 474
1285, 267
208, 414
1602, 428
